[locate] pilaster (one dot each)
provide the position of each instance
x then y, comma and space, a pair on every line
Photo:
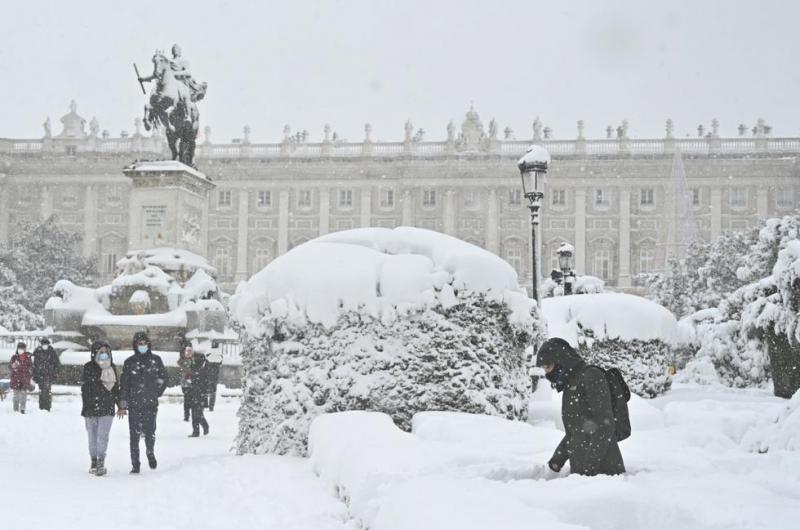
241, 238
580, 231
283, 222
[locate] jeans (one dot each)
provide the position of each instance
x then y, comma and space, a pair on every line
20, 398
45, 398
142, 422
98, 427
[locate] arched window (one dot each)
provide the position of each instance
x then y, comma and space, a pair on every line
602, 264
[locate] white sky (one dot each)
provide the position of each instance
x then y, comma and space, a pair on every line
307, 63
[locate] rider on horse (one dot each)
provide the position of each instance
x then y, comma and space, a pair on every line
180, 69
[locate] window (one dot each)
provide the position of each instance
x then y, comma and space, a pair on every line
109, 263
515, 197
647, 259
68, 198
470, 200
113, 195
429, 198
222, 261
695, 196
112, 218
646, 197
262, 258
559, 197
738, 197
600, 198
513, 254
345, 198
345, 224
304, 199
558, 224
387, 198
224, 199
264, 199
71, 150
784, 197
602, 264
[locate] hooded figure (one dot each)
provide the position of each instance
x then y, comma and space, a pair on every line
143, 380
99, 393
21, 368
589, 442
45, 370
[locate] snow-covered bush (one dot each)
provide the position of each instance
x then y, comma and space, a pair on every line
583, 285
629, 332
778, 430
644, 364
396, 321
13, 313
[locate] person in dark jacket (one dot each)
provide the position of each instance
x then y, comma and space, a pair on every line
214, 360
143, 381
196, 387
100, 394
21, 367
45, 370
589, 442
185, 373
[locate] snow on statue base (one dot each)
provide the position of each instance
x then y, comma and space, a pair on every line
395, 321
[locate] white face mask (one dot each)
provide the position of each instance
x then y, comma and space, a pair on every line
20, 351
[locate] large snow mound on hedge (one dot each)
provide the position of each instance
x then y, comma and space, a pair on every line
378, 270
609, 315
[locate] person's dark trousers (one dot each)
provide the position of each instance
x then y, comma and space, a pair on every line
213, 378
45, 397
198, 418
186, 405
142, 422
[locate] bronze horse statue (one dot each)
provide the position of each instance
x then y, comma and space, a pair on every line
171, 107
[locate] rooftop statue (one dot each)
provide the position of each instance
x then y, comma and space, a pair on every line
172, 103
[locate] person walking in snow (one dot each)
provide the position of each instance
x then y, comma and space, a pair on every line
45, 370
99, 394
589, 442
21, 366
196, 387
142, 382
214, 358
185, 372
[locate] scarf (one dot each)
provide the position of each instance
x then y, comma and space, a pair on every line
107, 375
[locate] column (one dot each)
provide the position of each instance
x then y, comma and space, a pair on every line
241, 237
492, 222
47, 202
5, 191
450, 213
90, 222
408, 209
716, 213
365, 220
762, 202
580, 231
624, 238
283, 222
324, 211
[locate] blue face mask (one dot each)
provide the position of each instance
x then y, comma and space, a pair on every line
103, 357
142, 348
556, 378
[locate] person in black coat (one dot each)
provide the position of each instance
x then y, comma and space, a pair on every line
589, 442
143, 381
99, 394
195, 390
45, 370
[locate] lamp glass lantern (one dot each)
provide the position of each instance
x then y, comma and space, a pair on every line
532, 169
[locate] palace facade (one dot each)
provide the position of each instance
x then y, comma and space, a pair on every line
625, 204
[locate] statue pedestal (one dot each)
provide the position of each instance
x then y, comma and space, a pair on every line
168, 206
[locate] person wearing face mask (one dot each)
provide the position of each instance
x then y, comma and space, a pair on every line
99, 394
21, 366
45, 370
589, 442
142, 382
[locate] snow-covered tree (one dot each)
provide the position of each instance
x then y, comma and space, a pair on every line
644, 364
671, 288
14, 316
41, 254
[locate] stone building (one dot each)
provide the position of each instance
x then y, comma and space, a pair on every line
624, 203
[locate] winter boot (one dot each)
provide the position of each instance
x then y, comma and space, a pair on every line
101, 467
93, 469
151, 460
195, 434
205, 428
135, 469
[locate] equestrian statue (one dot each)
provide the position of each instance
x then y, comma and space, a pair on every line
173, 103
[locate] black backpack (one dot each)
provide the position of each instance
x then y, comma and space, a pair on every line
620, 395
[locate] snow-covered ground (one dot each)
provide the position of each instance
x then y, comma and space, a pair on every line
689, 467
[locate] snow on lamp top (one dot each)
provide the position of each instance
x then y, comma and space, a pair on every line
536, 155
380, 271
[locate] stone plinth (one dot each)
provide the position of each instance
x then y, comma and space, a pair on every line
168, 206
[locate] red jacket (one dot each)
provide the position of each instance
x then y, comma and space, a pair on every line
21, 371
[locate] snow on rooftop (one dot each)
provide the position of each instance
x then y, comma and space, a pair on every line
609, 315
377, 270
148, 166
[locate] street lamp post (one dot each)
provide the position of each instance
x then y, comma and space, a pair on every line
533, 168
565, 253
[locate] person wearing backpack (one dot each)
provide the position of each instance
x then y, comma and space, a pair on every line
590, 439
